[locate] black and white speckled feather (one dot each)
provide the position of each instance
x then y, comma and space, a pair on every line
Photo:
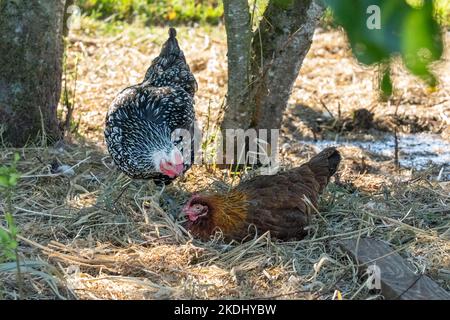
170, 67
141, 119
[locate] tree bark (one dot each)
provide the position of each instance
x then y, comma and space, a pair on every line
31, 50
239, 36
258, 94
279, 46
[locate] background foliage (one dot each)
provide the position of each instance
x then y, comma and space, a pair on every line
155, 11
206, 11
409, 29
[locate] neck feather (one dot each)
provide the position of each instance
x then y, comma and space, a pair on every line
227, 212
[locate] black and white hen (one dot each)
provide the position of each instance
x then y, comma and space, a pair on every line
142, 119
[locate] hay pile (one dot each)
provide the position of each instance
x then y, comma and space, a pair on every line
78, 241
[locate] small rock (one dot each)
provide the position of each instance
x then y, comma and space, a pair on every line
363, 119
62, 169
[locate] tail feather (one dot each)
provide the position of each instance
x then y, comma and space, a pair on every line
170, 67
324, 165
172, 33
171, 50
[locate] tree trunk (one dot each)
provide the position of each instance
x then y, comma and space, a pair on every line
239, 36
278, 48
31, 50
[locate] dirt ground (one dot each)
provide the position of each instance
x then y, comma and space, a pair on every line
80, 243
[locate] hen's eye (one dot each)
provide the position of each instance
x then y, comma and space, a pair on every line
178, 139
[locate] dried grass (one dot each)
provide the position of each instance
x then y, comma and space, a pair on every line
90, 246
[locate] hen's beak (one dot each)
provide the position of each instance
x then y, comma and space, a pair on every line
174, 166
171, 170
193, 215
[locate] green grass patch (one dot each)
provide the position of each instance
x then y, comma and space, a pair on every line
155, 12
163, 12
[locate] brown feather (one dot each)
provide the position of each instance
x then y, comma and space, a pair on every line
269, 203
227, 213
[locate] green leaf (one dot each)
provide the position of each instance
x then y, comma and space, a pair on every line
9, 219
4, 236
421, 42
10, 255
13, 177
386, 83
284, 4
380, 29
12, 245
16, 157
4, 181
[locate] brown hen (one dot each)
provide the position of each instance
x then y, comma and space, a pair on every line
264, 203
